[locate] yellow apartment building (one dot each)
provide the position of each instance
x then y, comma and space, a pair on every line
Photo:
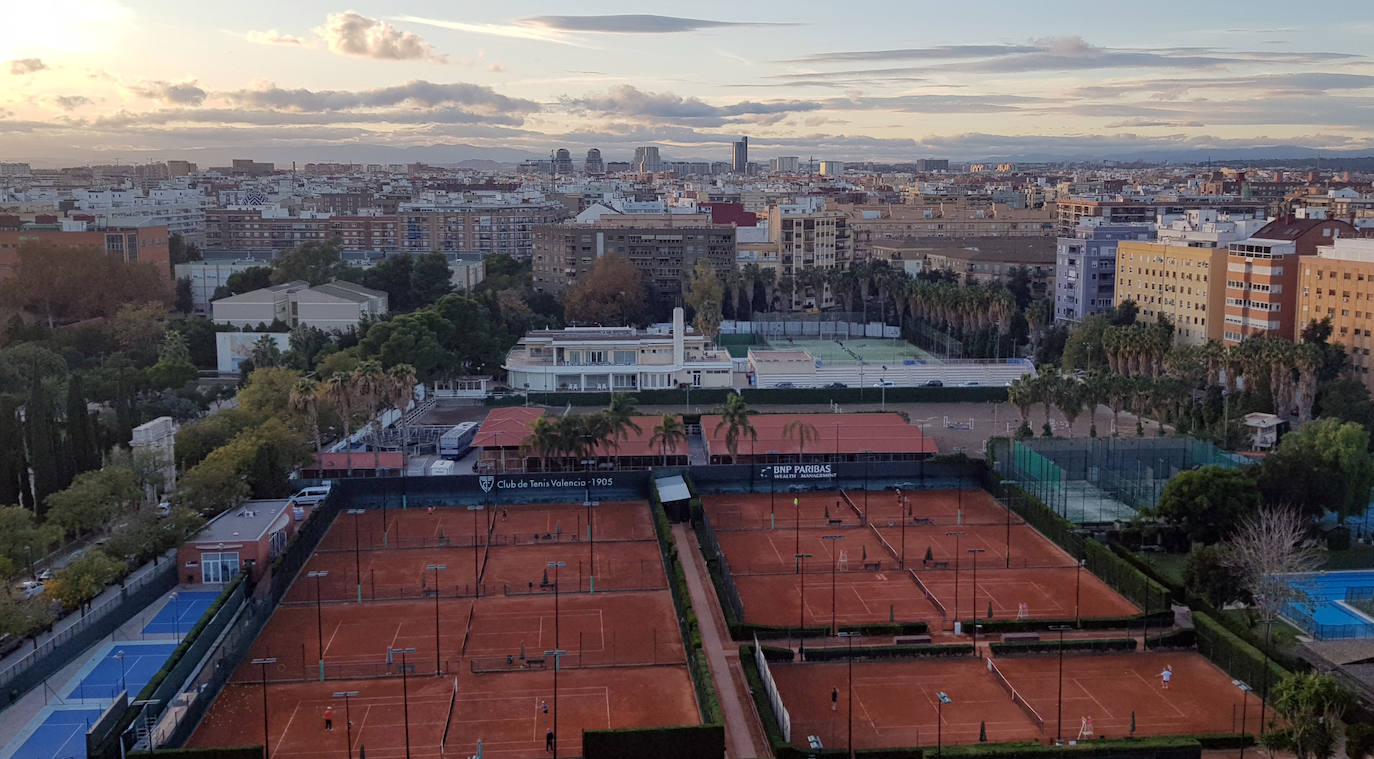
1339, 282
1186, 284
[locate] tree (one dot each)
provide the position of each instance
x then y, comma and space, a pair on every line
430, 279
171, 374
94, 499
305, 401
14, 468
620, 416
668, 433
342, 393
1308, 706
173, 347
612, 293
82, 448
705, 295
266, 352
543, 440
84, 579
734, 419
140, 327
1208, 573
1084, 348
185, 300
1207, 502
1124, 313
22, 539
1266, 548
1323, 465
267, 393
1022, 395
800, 432
313, 262
248, 280
180, 251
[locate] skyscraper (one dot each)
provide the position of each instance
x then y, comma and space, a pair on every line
562, 162
647, 160
740, 156
594, 164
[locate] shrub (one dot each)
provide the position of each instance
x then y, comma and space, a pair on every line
1021, 648
887, 652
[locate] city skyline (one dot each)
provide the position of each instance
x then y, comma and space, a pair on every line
322, 81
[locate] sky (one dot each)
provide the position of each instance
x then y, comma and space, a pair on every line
145, 80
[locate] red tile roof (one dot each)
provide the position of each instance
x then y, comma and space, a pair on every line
506, 427
358, 460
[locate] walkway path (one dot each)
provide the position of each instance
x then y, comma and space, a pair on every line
743, 733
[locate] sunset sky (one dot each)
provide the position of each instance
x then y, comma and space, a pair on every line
139, 80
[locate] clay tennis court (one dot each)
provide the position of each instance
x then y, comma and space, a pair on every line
774, 551
895, 703
1108, 688
1029, 549
943, 507
502, 710
1047, 593
860, 598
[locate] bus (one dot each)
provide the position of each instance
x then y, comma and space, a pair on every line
456, 443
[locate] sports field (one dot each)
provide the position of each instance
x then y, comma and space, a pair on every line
859, 573
851, 351
478, 665
895, 701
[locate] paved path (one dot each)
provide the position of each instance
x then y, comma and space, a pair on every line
743, 733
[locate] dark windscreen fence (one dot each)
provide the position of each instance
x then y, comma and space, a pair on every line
853, 476
500, 489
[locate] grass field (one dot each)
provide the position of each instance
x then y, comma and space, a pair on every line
871, 350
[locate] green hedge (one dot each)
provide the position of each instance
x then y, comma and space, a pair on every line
1177, 592
888, 628
887, 652
1214, 741
770, 396
707, 697
218, 752
1157, 619
1175, 639
746, 631
1093, 645
1181, 747
776, 654
679, 742
1234, 655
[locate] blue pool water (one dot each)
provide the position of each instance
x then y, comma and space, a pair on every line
1328, 617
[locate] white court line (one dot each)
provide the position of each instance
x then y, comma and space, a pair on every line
1086, 692
287, 730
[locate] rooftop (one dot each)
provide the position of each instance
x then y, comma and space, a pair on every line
243, 524
835, 433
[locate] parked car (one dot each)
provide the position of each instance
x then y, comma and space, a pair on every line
970, 384
837, 385
885, 383
311, 496
784, 385
30, 588
934, 383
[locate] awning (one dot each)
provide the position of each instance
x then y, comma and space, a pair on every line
672, 489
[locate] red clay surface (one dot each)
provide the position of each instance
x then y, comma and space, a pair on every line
624, 662
895, 703
502, 710
872, 588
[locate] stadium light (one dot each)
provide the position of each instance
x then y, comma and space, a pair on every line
266, 741
940, 721
975, 552
834, 562
348, 720
357, 562
405, 692
319, 618
1059, 706
475, 572
556, 653
1244, 702
956, 536
435, 569
801, 610
849, 639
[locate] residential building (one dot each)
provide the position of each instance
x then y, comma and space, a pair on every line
483, 225
1262, 276
664, 247
1085, 269
739, 156
810, 237
995, 260
832, 168
874, 223
138, 244
594, 165
646, 160
208, 276
932, 164
334, 307
1176, 281
1120, 209
787, 164
1338, 283
271, 229
600, 359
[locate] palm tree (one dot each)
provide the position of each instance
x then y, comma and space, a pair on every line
1046, 387
596, 429
667, 434
399, 391
734, 417
305, 400
371, 385
1096, 391
620, 414
343, 395
543, 440
1069, 396
1022, 394
801, 433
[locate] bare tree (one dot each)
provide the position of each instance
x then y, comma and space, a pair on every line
1267, 548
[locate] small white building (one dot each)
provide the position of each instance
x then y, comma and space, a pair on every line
208, 276
1264, 430
334, 307
157, 438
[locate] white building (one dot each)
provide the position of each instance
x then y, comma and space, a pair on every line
233, 348
333, 307
208, 276
600, 359
157, 439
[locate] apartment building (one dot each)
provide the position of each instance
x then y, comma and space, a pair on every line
1085, 267
1118, 209
1338, 282
991, 260
486, 226
872, 224
664, 247
138, 244
809, 237
1262, 276
257, 229
621, 359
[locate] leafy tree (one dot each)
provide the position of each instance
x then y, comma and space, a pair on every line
94, 499
64, 284
1359, 740
268, 393
171, 374
246, 281
1019, 285
612, 293
23, 364
313, 262
196, 440
1124, 314
337, 362
1206, 503
14, 469
140, 327
418, 339
84, 579
184, 301
173, 347
430, 279
22, 539
305, 344
1209, 573
198, 333
1084, 348
180, 251
705, 294
44, 443
1309, 706
1323, 465
1332, 360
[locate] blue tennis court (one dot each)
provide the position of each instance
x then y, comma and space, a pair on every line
111, 673
181, 613
62, 735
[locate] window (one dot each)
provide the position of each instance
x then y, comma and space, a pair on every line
218, 568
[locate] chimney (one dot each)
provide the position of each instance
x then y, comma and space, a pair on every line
679, 330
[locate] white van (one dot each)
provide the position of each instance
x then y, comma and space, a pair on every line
311, 496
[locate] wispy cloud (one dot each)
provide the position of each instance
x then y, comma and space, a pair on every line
512, 31
273, 37
175, 93
70, 102
419, 93
634, 23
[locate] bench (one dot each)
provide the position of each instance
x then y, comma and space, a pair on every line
836, 521
939, 565
875, 566
1021, 637
922, 521
911, 640
534, 664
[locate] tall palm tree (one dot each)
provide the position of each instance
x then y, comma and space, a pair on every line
801, 433
1046, 388
543, 440
342, 393
1069, 396
1096, 392
1022, 394
667, 434
620, 413
597, 429
734, 418
399, 392
305, 400
371, 386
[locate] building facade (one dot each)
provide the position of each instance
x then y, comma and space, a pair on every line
809, 237
135, 245
1338, 283
646, 160
1116, 209
1085, 268
739, 156
1174, 281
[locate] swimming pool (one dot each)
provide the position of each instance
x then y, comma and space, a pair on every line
1327, 616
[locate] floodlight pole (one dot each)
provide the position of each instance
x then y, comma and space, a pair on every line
956, 536
266, 741
942, 698
801, 610
1059, 701
591, 542
1077, 585
357, 561
476, 573
556, 652
849, 638
435, 569
405, 692
319, 618
834, 563
348, 718
975, 552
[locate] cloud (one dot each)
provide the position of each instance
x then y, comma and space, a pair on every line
633, 23
174, 93
270, 117
1303, 82
472, 97
21, 66
351, 33
941, 52
539, 34
273, 37
631, 102
70, 102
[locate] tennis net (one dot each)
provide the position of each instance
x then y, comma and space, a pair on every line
448, 720
882, 540
852, 505
1016, 697
929, 596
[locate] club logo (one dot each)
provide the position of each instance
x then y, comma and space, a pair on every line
486, 481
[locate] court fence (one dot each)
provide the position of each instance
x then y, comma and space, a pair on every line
662, 649
719, 568
62, 648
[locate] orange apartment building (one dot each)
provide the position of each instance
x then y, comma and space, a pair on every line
1262, 277
1338, 282
145, 245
